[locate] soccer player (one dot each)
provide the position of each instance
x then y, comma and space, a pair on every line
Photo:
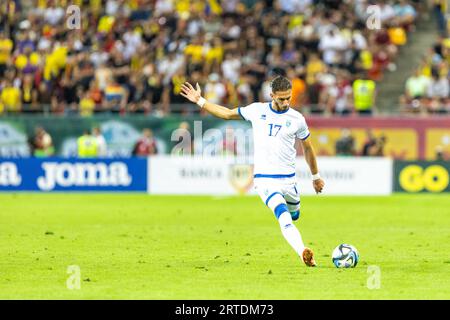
275, 129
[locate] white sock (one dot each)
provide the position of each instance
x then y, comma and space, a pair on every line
291, 233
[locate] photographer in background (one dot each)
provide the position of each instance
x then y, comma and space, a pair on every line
374, 146
41, 145
345, 145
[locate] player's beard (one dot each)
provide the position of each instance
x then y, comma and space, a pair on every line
280, 107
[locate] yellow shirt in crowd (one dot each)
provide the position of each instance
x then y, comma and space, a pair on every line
397, 36
195, 51
55, 62
185, 7
87, 106
6, 46
313, 67
215, 54
10, 98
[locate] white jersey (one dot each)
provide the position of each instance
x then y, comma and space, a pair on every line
274, 134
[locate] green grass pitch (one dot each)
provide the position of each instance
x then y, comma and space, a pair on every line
163, 247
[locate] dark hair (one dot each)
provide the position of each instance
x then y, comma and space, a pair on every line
280, 83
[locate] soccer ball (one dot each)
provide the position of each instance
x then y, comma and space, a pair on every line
345, 256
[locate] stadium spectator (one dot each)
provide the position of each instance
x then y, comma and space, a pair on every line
41, 145
439, 9
146, 145
86, 105
439, 153
364, 95
438, 92
345, 145
102, 147
405, 14
6, 46
116, 97
11, 97
368, 144
170, 66
373, 146
379, 146
244, 92
231, 67
87, 145
333, 45
417, 85
298, 88
339, 99
215, 90
229, 143
29, 95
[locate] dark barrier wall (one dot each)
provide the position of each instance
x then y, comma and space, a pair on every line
406, 138
421, 176
57, 174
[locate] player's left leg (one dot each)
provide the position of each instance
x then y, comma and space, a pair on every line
273, 197
292, 197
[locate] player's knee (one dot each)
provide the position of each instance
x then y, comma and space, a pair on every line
293, 206
295, 215
280, 209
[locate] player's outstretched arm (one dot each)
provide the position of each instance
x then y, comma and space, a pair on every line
310, 157
194, 95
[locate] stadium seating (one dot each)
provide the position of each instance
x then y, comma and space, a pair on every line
132, 56
427, 89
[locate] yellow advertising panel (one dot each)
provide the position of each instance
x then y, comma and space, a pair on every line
400, 143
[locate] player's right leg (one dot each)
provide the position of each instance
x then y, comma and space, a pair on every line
270, 193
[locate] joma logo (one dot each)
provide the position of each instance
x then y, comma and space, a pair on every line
67, 174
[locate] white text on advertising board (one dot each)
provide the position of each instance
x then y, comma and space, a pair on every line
9, 175
83, 174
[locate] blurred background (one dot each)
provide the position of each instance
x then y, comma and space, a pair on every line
101, 78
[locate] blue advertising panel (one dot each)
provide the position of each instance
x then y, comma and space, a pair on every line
69, 174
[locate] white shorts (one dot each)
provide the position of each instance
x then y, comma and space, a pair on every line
276, 191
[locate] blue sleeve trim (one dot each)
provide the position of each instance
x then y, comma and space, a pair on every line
306, 136
240, 113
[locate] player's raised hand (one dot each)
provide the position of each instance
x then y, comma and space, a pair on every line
318, 185
188, 91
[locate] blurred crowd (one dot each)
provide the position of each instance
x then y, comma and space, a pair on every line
131, 56
427, 90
